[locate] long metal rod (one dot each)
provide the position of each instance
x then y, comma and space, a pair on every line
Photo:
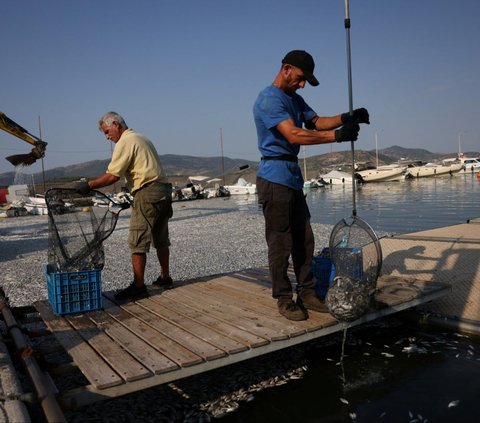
350, 99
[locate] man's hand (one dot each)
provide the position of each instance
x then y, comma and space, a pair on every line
357, 116
82, 188
348, 132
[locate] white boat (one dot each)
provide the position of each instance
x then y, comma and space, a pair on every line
432, 170
337, 177
20, 196
242, 187
470, 164
382, 174
36, 205
312, 183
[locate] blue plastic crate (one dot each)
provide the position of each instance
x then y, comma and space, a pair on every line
323, 270
74, 292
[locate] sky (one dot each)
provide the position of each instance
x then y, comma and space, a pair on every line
186, 72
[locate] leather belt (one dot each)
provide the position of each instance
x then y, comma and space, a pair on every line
285, 157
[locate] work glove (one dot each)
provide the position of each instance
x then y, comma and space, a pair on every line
82, 188
348, 132
357, 116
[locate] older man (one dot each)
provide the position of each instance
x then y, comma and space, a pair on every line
284, 121
135, 158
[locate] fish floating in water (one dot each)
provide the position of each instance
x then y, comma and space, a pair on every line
414, 349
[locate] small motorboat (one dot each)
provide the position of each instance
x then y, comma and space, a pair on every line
382, 174
432, 170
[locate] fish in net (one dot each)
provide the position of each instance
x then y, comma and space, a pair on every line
356, 254
347, 299
77, 227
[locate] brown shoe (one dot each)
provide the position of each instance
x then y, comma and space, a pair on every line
291, 311
312, 302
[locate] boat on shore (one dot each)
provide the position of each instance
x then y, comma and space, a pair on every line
242, 187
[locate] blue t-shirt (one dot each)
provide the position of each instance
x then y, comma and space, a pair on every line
272, 107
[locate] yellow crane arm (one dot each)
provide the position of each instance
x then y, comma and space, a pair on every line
15, 129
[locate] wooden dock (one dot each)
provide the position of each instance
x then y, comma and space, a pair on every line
196, 327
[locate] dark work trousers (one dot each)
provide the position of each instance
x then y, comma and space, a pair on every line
288, 232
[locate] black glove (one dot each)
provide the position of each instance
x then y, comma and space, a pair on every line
348, 132
357, 116
82, 188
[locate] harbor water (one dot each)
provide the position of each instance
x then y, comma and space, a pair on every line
401, 207
392, 370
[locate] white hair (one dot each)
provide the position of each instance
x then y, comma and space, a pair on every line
110, 117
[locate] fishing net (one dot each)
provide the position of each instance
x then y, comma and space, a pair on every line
78, 225
356, 254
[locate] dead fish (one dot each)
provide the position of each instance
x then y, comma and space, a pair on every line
412, 349
453, 403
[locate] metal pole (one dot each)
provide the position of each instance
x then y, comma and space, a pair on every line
350, 97
221, 147
459, 142
43, 167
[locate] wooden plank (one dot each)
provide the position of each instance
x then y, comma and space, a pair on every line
258, 304
236, 313
240, 335
188, 340
259, 300
205, 305
152, 359
180, 355
97, 372
219, 340
120, 360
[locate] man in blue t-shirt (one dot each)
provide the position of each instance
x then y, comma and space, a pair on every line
284, 122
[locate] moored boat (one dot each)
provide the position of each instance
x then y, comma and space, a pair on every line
337, 177
432, 170
382, 174
470, 164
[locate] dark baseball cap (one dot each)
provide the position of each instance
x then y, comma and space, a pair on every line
303, 60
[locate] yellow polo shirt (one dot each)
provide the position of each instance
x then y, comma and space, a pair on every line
136, 158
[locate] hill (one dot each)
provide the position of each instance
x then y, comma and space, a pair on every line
177, 167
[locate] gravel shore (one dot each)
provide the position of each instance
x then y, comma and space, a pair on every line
208, 237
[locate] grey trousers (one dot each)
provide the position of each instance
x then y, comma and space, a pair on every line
288, 233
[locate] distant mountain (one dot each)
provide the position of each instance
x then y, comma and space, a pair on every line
176, 166
179, 167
